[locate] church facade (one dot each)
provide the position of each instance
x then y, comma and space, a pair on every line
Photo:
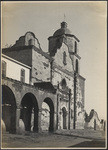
31, 77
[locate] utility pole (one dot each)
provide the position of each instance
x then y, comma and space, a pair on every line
75, 80
57, 106
69, 109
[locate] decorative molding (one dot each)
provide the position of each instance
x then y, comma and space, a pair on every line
73, 53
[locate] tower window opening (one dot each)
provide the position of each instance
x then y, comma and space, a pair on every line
72, 114
22, 75
77, 66
75, 47
63, 83
64, 58
31, 42
4, 68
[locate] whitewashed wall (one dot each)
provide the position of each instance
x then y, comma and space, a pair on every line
13, 69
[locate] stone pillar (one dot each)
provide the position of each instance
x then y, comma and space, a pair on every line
61, 119
55, 121
60, 114
17, 119
67, 119
35, 121
39, 120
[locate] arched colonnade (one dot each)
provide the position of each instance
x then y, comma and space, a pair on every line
26, 105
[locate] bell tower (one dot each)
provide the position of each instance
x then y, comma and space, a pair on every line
64, 35
65, 72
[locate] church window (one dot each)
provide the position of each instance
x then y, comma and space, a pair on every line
22, 75
64, 58
75, 47
31, 42
77, 67
72, 114
4, 68
63, 83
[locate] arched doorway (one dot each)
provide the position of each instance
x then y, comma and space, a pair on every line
45, 117
8, 109
29, 112
64, 114
49, 119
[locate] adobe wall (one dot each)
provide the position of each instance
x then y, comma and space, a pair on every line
40, 67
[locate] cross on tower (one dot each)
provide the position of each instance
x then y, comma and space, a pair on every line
64, 17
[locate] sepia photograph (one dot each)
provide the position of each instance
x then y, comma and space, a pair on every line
53, 74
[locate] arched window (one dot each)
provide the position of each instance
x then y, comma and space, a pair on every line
22, 75
30, 42
4, 68
64, 118
75, 47
72, 114
64, 58
77, 67
63, 83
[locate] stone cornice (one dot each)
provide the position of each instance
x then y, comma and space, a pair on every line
78, 75
19, 83
73, 53
70, 35
66, 71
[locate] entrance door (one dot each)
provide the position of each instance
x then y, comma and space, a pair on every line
64, 117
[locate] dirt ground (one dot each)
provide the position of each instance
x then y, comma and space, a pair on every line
36, 140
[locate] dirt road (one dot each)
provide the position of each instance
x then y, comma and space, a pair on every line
39, 140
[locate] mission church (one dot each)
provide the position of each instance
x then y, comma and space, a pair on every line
44, 90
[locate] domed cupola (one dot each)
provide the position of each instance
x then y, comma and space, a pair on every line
60, 36
63, 30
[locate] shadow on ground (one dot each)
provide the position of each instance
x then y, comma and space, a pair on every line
90, 144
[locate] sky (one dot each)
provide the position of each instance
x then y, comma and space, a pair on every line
86, 20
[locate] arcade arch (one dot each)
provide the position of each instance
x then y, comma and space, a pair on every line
29, 112
8, 109
50, 120
64, 118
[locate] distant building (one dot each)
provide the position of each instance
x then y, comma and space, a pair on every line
31, 76
92, 121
